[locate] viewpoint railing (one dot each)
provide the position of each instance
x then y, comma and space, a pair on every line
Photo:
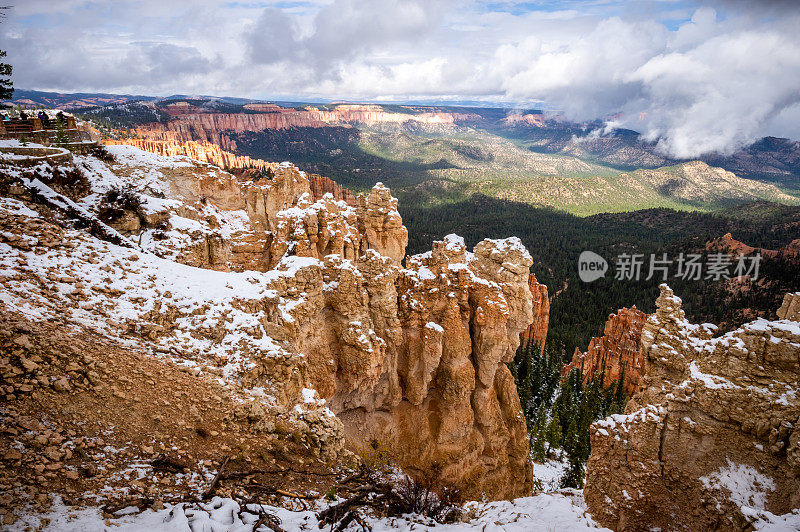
59, 131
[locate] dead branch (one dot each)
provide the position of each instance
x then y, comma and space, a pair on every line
213, 485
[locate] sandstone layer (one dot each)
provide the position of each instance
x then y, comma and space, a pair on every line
710, 441
617, 353
200, 151
537, 330
205, 125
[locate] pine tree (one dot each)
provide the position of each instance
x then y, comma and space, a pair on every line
619, 395
62, 138
554, 432
539, 451
571, 436
574, 476
6, 86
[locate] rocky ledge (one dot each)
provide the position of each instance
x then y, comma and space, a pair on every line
710, 441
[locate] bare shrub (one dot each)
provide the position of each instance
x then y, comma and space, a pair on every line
70, 181
428, 496
117, 201
100, 152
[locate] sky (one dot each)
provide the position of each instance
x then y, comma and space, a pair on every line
696, 76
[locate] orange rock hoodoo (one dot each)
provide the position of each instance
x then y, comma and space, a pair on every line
618, 348
710, 440
537, 330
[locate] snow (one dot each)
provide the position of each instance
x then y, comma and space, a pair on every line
549, 474
140, 281
646, 413
435, 326
454, 242
132, 156
14, 143
714, 382
512, 243
769, 522
747, 486
564, 510
16, 207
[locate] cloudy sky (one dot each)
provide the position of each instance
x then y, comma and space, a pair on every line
698, 75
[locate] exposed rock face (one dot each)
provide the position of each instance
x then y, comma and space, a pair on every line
412, 359
710, 441
321, 185
617, 350
200, 151
190, 123
727, 243
537, 330
790, 309
415, 358
526, 119
241, 164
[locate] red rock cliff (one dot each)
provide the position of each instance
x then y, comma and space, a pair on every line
191, 123
727, 243
618, 348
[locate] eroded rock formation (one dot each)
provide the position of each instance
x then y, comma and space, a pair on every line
726, 243
409, 359
203, 124
537, 330
198, 150
243, 166
711, 440
617, 352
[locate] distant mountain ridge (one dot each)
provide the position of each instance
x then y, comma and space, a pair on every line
521, 155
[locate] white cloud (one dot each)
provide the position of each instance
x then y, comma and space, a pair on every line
712, 83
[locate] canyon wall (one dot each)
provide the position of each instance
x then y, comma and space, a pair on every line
411, 359
204, 125
199, 150
617, 352
711, 440
189, 125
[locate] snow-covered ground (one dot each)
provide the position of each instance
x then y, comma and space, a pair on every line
546, 512
550, 473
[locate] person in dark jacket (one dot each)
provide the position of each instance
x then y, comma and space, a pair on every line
45, 119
